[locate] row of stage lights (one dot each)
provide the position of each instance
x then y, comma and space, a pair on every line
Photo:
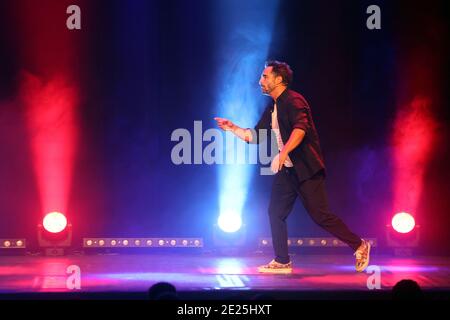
311, 242
55, 231
142, 242
12, 243
180, 242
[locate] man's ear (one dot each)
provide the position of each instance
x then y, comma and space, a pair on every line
281, 79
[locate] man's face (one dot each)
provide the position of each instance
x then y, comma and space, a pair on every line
268, 81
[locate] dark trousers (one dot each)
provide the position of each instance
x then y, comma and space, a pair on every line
286, 187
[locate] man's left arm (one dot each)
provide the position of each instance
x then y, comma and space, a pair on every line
295, 139
298, 116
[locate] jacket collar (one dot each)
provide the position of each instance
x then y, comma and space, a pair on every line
282, 96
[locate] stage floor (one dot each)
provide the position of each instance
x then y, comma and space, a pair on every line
206, 272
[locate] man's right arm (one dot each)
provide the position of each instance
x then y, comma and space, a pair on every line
246, 134
242, 133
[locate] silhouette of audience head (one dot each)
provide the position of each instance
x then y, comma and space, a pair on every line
162, 291
407, 290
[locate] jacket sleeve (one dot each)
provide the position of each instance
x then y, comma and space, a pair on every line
299, 115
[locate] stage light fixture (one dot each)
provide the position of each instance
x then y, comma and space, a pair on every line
403, 234
231, 240
54, 222
54, 234
229, 222
403, 222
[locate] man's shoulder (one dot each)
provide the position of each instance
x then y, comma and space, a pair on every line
295, 98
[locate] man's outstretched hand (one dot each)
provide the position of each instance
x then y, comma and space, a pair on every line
224, 124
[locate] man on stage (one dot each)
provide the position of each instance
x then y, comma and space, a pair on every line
299, 167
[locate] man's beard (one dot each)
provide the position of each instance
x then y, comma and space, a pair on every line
266, 91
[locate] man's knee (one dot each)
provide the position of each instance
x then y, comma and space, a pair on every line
277, 212
323, 217
273, 211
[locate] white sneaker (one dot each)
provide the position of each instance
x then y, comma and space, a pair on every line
362, 255
276, 267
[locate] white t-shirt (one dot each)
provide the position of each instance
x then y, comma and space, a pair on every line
276, 129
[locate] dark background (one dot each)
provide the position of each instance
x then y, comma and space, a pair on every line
145, 68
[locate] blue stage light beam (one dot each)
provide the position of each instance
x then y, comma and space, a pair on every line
245, 30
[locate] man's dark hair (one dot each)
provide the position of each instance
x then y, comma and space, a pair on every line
281, 69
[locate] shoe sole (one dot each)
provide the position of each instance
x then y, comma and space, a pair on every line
368, 258
276, 271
